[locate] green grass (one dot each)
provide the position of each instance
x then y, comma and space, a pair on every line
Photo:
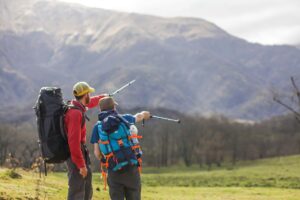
277, 178
277, 172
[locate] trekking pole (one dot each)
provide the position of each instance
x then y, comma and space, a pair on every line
165, 118
162, 118
121, 88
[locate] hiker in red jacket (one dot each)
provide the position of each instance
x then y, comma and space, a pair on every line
79, 171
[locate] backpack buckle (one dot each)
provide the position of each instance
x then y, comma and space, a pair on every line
120, 142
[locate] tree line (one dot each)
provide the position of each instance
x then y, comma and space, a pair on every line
206, 142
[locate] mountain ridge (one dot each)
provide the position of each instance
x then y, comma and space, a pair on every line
185, 64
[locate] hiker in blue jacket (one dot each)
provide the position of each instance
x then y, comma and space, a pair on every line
116, 146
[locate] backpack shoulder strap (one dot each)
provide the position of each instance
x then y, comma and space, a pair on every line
71, 106
127, 124
99, 128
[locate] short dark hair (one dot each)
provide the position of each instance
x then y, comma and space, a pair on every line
106, 103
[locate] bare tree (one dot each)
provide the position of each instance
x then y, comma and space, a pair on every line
296, 93
5, 142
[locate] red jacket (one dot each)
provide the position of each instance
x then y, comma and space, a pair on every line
75, 133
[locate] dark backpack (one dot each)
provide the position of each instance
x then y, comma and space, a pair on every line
50, 110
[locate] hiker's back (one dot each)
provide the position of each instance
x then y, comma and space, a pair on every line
119, 155
75, 117
115, 142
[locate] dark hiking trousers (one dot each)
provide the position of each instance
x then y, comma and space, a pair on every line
125, 184
80, 188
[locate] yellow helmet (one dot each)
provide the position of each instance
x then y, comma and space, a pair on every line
82, 88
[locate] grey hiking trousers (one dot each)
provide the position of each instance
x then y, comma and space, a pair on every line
80, 188
125, 184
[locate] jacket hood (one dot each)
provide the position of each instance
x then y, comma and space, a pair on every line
110, 121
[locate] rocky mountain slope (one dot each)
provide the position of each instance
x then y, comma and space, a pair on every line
186, 64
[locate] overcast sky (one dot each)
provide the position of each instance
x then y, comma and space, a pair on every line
263, 21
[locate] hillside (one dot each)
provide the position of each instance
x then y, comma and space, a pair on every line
276, 178
185, 64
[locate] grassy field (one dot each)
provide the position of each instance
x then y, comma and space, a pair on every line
268, 179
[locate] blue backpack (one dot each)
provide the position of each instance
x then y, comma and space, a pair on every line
116, 145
